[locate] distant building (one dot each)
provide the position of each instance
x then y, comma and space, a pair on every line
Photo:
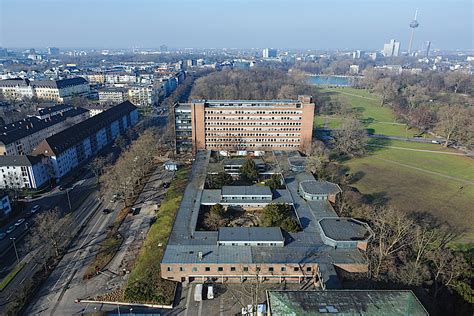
358, 54
47, 112
391, 49
21, 137
254, 125
95, 78
112, 95
163, 48
73, 146
426, 48
23, 172
120, 78
5, 206
354, 69
269, 53
53, 51
51, 90
143, 96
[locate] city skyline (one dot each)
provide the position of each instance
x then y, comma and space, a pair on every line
315, 25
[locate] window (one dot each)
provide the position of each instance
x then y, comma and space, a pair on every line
232, 269
270, 269
308, 269
181, 269
220, 269
246, 269
296, 269
207, 269
169, 269
195, 269
283, 269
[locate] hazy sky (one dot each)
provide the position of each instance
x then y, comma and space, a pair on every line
316, 24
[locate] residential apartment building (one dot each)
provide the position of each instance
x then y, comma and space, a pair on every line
143, 96
253, 125
112, 96
21, 137
75, 145
49, 111
23, 172
50, 90
391, 49
5, 206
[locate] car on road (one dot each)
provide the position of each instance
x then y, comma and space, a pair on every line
35, 209
135, 211
19, 222
61, 188
107, 211
2, 236
434, 141
166, 185
210, 292
198, 293
10, 229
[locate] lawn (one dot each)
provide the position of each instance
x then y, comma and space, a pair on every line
441, 184
377, 119
145, 284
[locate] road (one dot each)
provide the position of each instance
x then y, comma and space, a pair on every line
380, 136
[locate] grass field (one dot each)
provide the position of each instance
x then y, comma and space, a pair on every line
420, 181
413, 177
145, 284
377, 119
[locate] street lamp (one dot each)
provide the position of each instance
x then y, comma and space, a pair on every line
14, 246
68, 200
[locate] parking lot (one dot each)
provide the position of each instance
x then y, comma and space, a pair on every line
229, 298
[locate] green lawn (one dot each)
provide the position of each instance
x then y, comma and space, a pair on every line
386, 173
145, 284
377, 119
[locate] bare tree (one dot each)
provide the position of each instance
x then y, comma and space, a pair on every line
455, 122
96, 166
457, 80
386, 89
351, 138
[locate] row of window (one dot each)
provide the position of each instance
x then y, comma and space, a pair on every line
253, 140
253, 112
239, 123
254, 134
253, 129
256, 145
253, 118
244, 269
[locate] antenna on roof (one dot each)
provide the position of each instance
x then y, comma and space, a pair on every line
200, 255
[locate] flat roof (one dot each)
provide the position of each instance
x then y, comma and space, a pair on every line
319, 187
344, 229
345, 302
240, 161
245, 190
213, 196
250, 234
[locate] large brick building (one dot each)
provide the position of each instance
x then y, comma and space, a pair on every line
252, 125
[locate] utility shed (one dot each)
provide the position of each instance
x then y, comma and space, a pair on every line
250, 236
344, 302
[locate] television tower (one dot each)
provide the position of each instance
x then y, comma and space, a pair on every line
413, 25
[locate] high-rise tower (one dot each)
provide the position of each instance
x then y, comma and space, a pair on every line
413, 25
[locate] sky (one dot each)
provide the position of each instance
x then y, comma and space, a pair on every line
311, 24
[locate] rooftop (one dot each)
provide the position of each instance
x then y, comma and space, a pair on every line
343, 229
319, 187
240, 161
344, 302
250, 234
18, 161
241, 190
54, 109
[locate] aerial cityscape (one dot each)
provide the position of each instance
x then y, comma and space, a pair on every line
236, 157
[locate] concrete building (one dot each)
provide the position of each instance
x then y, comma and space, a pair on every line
344, 302
50, 90
75, 145
391, 49
21, 137
49, 111
269, 53
23, 172
5, 206
251, 125
112, 95
143, 96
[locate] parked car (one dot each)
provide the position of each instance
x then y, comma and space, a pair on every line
10, 229
210, 292
61, 188
135, 210
2, 236
434, 141
166, 185
107, 211
35, 209
19, 222
198, 293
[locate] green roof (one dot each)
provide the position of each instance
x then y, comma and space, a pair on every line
344, 302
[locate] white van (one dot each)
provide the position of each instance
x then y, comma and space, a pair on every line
210, 292
198, 293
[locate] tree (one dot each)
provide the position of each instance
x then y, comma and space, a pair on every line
96, 166
217, 209
50, 230
386, 89
290, 225
275, 214
351, 138
447, 268
455, 122
249, 170
457, 80
274, 182
217, 181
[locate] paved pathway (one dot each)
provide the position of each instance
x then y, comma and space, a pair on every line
421, 150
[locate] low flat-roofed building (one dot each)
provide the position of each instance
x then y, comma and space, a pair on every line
344, 302
244, 192
342, 232
319, 190
232, 165
250, 236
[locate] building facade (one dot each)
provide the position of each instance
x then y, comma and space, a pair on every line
75, 145
5, 206
391, 49
112, 96
21, 137
143, 96
236, 125
23, 172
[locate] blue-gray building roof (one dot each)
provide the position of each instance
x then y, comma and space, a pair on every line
246, 190
250, 234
